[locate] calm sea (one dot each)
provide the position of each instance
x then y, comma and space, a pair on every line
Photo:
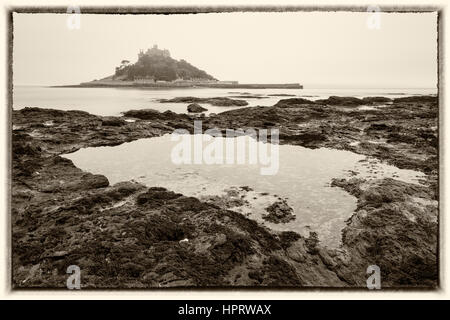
303, 178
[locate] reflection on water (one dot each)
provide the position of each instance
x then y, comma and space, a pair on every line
113, 101
303, 179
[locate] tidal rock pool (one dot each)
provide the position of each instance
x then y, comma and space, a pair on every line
302, 181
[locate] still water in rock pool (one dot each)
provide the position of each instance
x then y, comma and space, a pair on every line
303, 181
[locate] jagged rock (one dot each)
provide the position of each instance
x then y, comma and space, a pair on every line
195, 108
151, 114
96, 181
297, 252
312, 243
144, 114
156, 196
279, 212
58, 254
113, 122
292, 102
394, 226
376, 100
216, 101
341, 101
281, 95
417, 99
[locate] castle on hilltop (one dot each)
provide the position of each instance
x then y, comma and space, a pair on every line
154, 51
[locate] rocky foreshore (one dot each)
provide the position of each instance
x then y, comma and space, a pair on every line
216, 101
130, 236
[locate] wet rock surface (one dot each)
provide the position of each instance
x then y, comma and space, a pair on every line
341, 101
396, 225
403, 134
376, 100
281, 95
151, 114
195, 107
129, 236
393, 218
216, 101
279, 212
293, 102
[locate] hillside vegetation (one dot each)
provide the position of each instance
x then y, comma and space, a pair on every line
158, 65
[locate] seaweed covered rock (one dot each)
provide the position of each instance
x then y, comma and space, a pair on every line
420, 99
376, 100
195, 108
292, 102
216, 101
279, 212
22, 146
128, 236
144, 114
113, 122
96, 181
156, 196
341, 101
151, 114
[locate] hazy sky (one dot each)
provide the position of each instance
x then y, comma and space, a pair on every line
317, 49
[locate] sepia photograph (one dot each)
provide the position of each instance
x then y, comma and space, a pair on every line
287, 148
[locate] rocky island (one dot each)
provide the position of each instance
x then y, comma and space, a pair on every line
155, 68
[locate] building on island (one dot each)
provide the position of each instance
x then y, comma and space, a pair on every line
144, 80
227, 82
154, 51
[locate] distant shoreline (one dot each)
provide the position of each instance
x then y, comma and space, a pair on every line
170, 85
